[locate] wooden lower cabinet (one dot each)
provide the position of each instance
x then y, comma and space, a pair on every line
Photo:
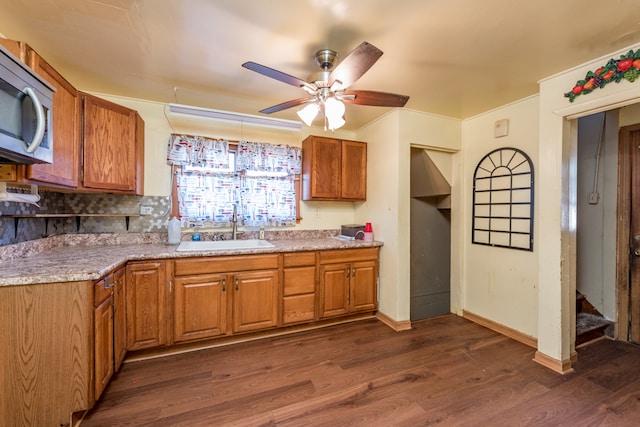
199, 307
255, 300
216, 296
299, 287
103, 345
46, 362
146, 296
351, 286
119, 319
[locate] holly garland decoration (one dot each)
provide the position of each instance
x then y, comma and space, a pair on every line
627, 67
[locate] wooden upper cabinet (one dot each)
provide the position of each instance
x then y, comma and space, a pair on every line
112, 146
66, 129
353, 184
63, 172
333, 169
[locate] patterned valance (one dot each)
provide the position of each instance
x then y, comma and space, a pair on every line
198, 151
269, 158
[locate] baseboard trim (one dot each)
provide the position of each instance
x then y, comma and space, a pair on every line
396, 325
501, 329
560, 366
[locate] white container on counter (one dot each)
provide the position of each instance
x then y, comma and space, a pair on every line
173, 229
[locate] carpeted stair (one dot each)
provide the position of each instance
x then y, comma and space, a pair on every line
590, 324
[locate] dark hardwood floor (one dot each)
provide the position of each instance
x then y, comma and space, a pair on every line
445, 371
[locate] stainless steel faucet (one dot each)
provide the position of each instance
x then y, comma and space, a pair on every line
234, 224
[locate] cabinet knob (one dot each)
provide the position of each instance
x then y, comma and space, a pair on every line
236, 283
224, 285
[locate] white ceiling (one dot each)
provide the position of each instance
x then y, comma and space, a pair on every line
456, 58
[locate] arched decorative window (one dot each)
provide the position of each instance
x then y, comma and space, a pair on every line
503, 200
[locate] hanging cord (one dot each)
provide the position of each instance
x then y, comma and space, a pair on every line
594, 197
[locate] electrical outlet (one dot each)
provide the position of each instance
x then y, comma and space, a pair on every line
146, 210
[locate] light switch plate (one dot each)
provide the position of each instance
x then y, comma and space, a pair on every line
501, 128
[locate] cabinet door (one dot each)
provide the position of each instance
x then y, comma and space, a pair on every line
119, 319
200, 304
321, 168
363, 286
354, 171
334, 285
66, 129
299, 298
109, 145
255, 300
145, 292
103, 342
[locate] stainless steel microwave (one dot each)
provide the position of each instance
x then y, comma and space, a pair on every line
26, 100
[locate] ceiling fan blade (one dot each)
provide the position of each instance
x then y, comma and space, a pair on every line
377, 99
354, 65
275, 74
285, 105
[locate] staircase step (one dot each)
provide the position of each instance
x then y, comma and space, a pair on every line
589, 327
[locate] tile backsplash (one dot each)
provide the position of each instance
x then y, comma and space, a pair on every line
18, 225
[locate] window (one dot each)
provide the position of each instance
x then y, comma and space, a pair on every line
213, 176
503, 200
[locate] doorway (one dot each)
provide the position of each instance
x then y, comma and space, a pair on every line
628, 236
430, 237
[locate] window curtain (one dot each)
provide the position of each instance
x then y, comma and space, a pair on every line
206, 198
198, 151
269, 158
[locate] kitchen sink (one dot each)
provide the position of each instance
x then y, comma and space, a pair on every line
222, 245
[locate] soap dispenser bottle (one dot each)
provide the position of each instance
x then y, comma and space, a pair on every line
174, 232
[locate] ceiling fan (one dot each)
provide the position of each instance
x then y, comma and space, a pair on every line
327, 88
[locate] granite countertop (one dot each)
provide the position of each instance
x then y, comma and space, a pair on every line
76, 262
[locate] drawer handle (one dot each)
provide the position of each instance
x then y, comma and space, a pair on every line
224, 285
348, 272
236, 284
108, 284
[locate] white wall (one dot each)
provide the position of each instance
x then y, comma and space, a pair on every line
557, 172
596, 222
389, 142
499, 284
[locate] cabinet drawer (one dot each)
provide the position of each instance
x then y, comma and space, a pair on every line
299, 280
296, 259
102, 290
299, 308
183, 267
348, 255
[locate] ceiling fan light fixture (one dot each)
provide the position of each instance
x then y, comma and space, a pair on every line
334, 113
308, 113
334, 123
